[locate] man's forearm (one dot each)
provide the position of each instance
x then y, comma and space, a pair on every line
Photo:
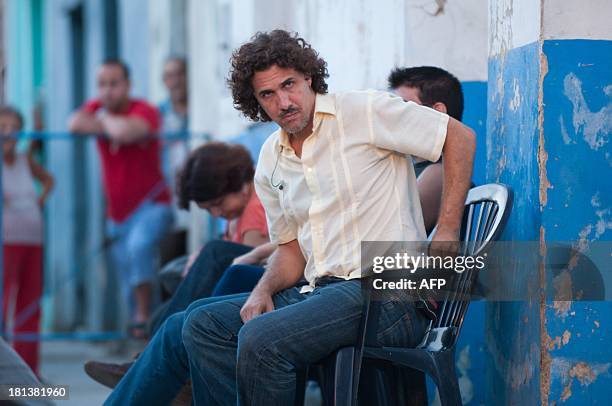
458, 161
124, 129
285, 268
85, 123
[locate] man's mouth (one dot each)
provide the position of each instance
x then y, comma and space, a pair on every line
290, 116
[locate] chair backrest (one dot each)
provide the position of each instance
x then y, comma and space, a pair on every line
487, 208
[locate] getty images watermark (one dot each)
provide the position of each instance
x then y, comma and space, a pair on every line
405, 261
504, 271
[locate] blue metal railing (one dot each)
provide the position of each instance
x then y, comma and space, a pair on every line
89, 257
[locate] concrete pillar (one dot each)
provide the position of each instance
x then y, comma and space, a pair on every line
549, 119
134, 43
20, 90
167, 37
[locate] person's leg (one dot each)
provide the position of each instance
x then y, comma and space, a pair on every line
210, 336
150, 224
11, 264
117, 233
257, 363
27, 304
205, 272
272, 347
238, 279
163, 368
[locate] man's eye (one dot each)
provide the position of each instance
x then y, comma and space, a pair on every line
288, 84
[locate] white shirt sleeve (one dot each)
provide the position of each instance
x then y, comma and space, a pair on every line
406, 127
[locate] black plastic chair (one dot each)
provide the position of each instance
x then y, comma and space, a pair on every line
486, 212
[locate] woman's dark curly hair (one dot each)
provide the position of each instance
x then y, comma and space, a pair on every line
213, 170
265, 49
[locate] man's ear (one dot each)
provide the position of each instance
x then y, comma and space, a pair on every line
309, 80
441, 107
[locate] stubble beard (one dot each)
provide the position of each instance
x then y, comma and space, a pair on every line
298, 128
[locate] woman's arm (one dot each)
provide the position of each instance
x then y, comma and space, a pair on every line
44, 177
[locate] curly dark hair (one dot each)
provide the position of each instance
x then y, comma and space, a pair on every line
213, 170
278, 47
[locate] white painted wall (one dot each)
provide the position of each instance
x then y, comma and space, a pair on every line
160, 26
512, 24
361, 40
134, 42
167, 37
455, 40
585, 19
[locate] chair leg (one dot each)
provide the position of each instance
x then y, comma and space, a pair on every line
446, 378
344, 392
411, 386
300, 387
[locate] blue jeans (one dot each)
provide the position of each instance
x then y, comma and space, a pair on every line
135, 246
162, 369
238, 279
205, 273
255, 363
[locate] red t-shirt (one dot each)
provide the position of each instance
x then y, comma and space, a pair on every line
253, 218
131, 172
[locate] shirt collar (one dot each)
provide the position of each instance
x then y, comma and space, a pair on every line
324, 104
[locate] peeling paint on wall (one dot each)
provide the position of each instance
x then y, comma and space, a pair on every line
513, 354
577, 113
570, 371
515, 102
595, 126
466, 386
542, 154
564, 134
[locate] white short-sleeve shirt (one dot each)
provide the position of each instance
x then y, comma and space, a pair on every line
353, 182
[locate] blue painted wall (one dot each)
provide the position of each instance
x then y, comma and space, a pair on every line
512, 328
470, 359
475, 117
549, 120
577, 127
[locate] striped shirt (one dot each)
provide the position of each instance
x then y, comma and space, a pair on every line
352, 183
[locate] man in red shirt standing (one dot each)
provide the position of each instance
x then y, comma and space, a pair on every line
138, 200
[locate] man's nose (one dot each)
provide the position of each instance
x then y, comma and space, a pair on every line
283, 100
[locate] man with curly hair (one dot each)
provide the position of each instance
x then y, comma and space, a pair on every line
333, 175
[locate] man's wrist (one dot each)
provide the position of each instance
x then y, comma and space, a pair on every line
262, 289
444, 230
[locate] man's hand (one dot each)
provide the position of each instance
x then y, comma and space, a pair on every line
250, 258
444, 243
123, 129
285, 269
82, 122
258, 303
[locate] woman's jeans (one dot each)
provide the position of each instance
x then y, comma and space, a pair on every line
200, 282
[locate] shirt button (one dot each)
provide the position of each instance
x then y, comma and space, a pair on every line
309, 169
